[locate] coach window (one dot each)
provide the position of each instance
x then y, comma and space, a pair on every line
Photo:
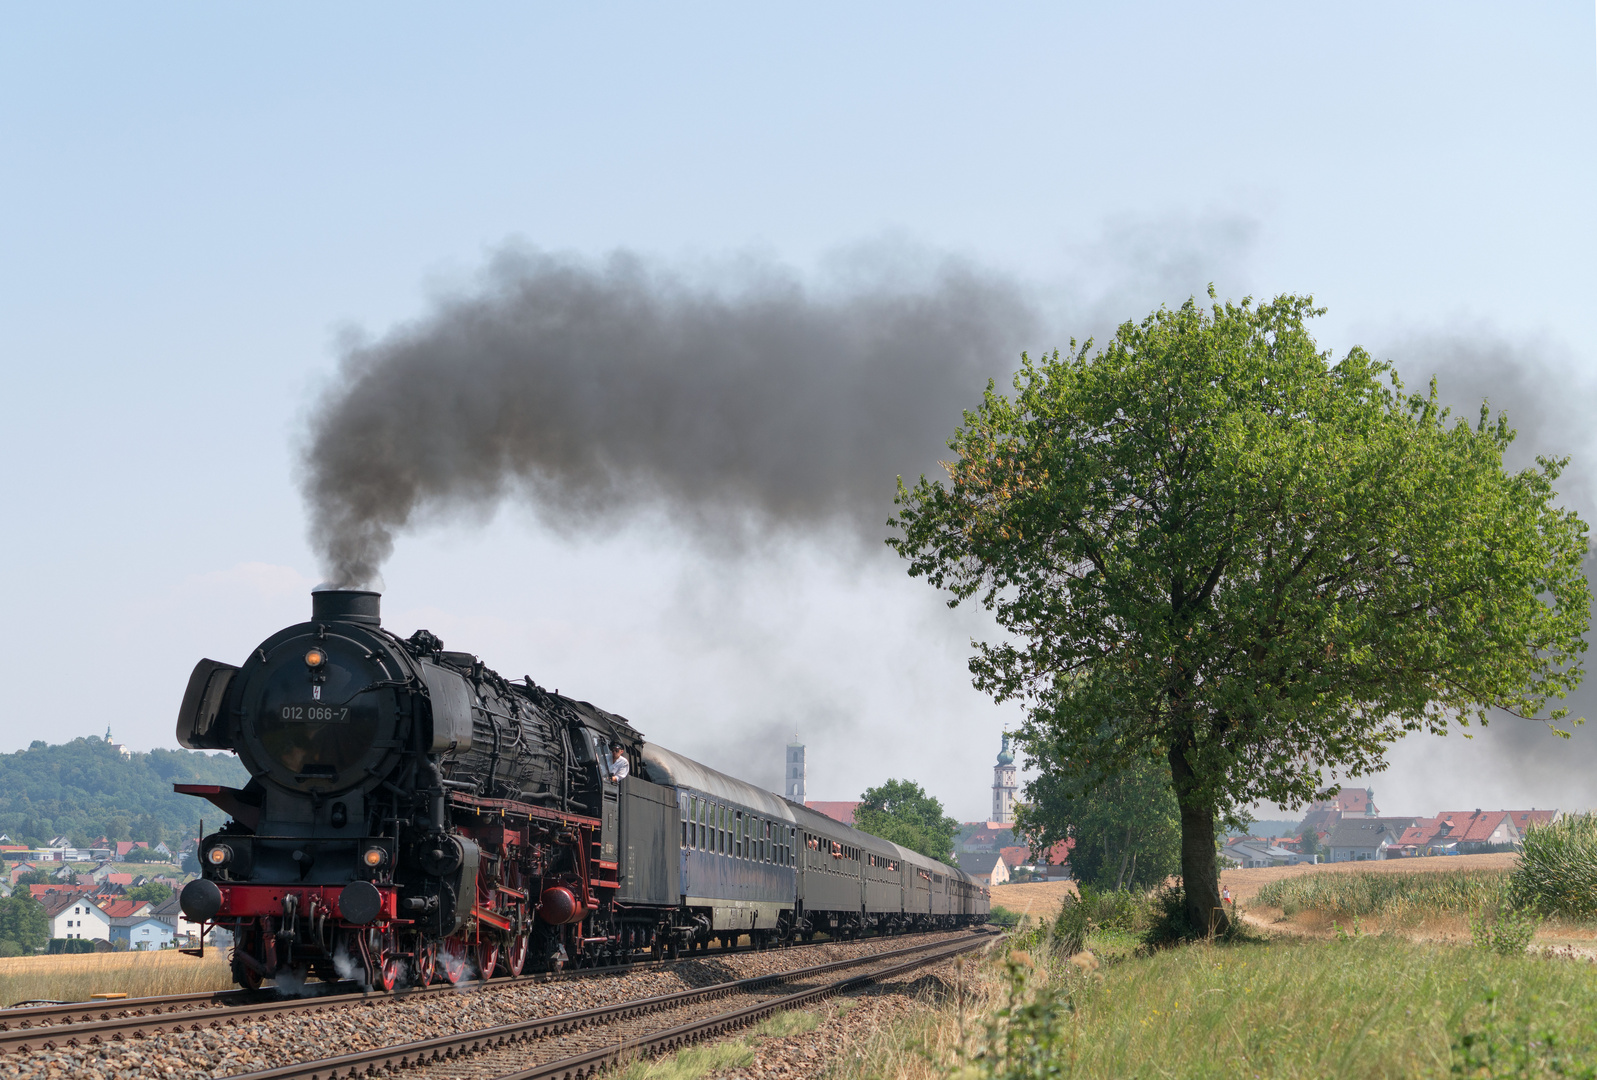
725, 845
737, 834
684, 812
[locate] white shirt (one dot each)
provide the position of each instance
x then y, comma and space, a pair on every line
619, 769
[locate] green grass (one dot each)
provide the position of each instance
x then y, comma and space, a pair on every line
1396, 896
1367, 1007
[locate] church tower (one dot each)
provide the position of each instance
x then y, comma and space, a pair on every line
1004, 786
793, 787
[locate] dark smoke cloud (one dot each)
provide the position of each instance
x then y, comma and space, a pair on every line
1549, 404
592, 389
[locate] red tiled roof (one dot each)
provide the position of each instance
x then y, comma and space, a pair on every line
1472, 826
53, 887
119, 879
125, 846
1524, 819
121, 909
837, 811
1015, 856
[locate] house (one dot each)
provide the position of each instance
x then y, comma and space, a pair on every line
983, 836
125, 909
1251, 854
125, 846
986, 867
837, 811
1524, 820
142, 932
74, 915
1426, 837
125, 880
39, 892
1347, 802
1481, 830
162, 850
170, 912
1359, 839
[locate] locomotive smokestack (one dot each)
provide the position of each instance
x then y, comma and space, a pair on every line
347, 605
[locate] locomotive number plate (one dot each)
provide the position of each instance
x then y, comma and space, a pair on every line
314, 713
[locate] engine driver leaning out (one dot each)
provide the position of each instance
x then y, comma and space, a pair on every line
619, 770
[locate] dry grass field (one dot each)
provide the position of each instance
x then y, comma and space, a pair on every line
79, 976
1042, 899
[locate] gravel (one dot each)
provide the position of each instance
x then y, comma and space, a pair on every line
253, 1045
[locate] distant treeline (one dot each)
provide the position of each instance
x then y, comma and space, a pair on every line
86, 789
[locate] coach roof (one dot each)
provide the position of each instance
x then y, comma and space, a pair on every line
666, 767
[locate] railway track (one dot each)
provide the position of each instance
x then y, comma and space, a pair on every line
569, 1045
53, 1027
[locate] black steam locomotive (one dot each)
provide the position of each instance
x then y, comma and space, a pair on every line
412, 813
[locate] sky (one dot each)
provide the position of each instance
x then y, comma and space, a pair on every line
207, 210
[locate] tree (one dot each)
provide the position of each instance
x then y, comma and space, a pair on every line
154, 891
1309, 841
1209, 542
23, 922
901, 811
1126, 826
35, 876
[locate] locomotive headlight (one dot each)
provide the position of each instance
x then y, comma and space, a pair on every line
374, 857
315, 658
219, 855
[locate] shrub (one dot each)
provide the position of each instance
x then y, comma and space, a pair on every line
1557, 873
1003, 917
1509, 934
1025, 1035
1099, 909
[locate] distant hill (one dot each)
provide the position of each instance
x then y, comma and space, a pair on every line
86, 789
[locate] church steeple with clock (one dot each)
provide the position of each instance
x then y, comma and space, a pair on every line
1004, 786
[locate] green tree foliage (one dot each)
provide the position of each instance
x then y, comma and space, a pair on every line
1210, 542
32, 877
86, 788
901, 811
153, 891
1126, 826
1309, 841
23, 923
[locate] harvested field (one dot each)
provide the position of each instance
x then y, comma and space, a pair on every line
138, 974
1042, 899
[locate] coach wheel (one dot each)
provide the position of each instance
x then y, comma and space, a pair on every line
426, 962
516, 954
487, 955
452, 958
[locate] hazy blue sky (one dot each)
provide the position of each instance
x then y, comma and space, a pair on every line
198, 203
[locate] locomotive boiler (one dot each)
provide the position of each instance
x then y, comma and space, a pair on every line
412, 813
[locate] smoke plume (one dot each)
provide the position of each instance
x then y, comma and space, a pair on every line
1538, 385
592, 389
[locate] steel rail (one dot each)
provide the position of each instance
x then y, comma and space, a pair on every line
440, 1047
583, 1065
92, 1023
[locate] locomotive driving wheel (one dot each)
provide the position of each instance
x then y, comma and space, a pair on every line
516, 954
452, 958
487, 955
384, 962
426, 961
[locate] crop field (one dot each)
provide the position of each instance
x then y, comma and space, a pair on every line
1042, 899
78, 976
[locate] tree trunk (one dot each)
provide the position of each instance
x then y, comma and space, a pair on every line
1200, 876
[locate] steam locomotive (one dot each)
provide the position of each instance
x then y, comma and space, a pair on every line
413, 814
